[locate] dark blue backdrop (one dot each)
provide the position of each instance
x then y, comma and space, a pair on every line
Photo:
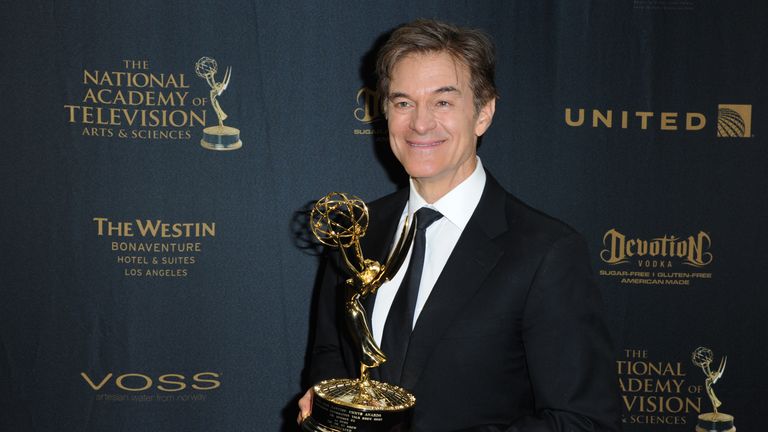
94, 335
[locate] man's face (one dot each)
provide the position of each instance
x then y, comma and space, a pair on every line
433, 127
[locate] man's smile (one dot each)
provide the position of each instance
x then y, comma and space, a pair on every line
425, 143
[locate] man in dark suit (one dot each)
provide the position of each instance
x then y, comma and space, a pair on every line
506, 329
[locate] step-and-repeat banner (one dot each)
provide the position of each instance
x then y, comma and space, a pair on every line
157, 275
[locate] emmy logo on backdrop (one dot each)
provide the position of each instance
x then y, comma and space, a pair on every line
217, 137
714, 421
363, 405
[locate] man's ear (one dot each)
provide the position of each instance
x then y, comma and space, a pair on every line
485, 117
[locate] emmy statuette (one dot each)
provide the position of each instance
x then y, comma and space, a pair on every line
712, 421
218, 137
362, 405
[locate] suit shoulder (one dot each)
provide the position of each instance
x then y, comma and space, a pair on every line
521, 219
534, 224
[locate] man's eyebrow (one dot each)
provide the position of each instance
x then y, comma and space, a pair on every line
447, 89
444, 89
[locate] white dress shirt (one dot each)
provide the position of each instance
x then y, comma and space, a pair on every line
456, 207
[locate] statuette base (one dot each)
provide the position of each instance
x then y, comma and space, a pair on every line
709, 422
221, 138
345, 405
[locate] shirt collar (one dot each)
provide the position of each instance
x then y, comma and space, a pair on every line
457, 205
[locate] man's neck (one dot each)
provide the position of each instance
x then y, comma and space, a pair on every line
432, 189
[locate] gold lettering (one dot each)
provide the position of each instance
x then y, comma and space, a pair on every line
605, 119
164, 379
121, 378
146, 227
133, 79
199, 378
701, 121
570, 122
121, 229
669, 121
90, 78
642, 247
654, 249
195, 118
697, 256
176, 230
614, 254
661, 404
146, 118
644, 116
90, 96
681, 249
72, 109
694, 250
90, 382
369, 103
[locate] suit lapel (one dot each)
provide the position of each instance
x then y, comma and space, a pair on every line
472, 259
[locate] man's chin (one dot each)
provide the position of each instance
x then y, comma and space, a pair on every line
421, 173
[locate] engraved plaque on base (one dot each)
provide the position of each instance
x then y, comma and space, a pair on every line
345, 405
711, 422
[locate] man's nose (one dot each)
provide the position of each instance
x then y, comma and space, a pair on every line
422, 120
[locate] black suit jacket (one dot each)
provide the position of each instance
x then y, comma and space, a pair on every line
512, 336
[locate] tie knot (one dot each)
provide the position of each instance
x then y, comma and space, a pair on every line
425, 217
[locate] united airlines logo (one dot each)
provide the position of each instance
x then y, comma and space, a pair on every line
734, 121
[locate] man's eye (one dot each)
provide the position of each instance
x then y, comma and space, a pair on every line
443, 103
401, 104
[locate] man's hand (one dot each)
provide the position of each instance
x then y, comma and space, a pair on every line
305, 406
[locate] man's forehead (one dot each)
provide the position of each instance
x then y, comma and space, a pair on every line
440, 70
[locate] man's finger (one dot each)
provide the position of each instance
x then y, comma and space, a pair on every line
305, 406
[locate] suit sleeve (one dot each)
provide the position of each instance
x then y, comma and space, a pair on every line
327, 359
568, 350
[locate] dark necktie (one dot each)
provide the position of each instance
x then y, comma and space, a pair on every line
397, 328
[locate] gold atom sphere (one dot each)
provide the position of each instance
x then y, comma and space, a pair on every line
339, 219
